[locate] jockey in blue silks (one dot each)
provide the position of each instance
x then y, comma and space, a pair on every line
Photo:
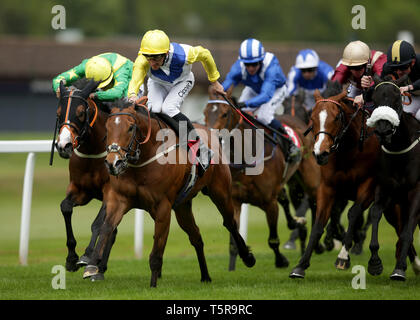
308, 73
265, 87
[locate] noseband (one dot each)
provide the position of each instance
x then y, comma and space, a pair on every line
81, 133
131, 154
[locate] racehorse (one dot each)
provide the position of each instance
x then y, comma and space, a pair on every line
266, 189
141, 177
398, 176
81, 125
348, 167
295, 106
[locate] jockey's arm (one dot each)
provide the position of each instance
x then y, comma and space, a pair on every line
70, 76
140, 68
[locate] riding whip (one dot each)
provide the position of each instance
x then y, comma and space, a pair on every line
53, 142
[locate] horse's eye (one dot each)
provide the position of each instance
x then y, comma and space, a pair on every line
224, 115
130, 129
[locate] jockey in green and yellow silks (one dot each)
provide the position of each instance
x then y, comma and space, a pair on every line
112, 69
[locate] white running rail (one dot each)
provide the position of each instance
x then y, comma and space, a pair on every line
32, 147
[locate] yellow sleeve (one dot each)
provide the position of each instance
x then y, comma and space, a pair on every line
204, 56
140, 68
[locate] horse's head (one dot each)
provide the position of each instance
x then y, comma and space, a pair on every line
328, 121
219, 115
75, 114
386, 97
123, 139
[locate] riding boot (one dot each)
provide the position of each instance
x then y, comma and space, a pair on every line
204, 154
292, 152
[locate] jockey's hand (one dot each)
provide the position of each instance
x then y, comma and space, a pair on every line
132, 98
93, 95
406, 88
241, 105
358, 100
217, 88
57, 93
366, 82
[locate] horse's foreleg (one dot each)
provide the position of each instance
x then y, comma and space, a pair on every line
66, 207
162, 218
375, 212
95, 228
186, 221
325, 199
219, 192
233, 249
114, 211
407, 235
272, 214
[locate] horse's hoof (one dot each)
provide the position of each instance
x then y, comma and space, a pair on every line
319, 248
398, 275
90, 271
357, 248
281, 261
329, 243
375, 267
71, 264
206, 279
297, 273
83, 261
97, 277
249, 260
342, 264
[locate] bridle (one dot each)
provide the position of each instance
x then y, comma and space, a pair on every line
132, 154
229, 113
81, 132
343, 125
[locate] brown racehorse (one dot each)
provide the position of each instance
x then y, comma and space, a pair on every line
141, 179
266, 189
81, 139
346, 171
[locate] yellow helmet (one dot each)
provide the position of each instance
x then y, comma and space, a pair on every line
99, 69
154, 42
355, 53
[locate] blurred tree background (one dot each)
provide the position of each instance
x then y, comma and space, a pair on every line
268, 20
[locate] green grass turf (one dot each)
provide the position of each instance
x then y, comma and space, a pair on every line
128, 278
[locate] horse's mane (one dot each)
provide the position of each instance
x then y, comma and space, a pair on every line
333, 88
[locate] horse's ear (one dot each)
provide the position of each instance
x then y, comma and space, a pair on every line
63, 88
342, 95
317, 95
376, 79
402, 80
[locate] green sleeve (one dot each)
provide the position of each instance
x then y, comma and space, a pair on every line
121, 80
70, 76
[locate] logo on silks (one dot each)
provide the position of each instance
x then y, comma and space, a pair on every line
186, 89
292, 134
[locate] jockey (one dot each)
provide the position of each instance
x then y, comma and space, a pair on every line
264, 90
402, 60
357, 66
168, 66
112, 69
310, 74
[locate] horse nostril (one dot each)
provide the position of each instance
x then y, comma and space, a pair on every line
119, 163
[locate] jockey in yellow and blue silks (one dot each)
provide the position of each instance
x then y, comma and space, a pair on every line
112, 69
265, 87
168, 66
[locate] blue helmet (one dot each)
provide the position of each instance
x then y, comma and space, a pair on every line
251, 51
307, 58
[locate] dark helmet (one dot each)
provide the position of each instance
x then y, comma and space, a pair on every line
400, 53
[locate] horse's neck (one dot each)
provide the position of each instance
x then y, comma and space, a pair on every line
407, 131
95, 138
